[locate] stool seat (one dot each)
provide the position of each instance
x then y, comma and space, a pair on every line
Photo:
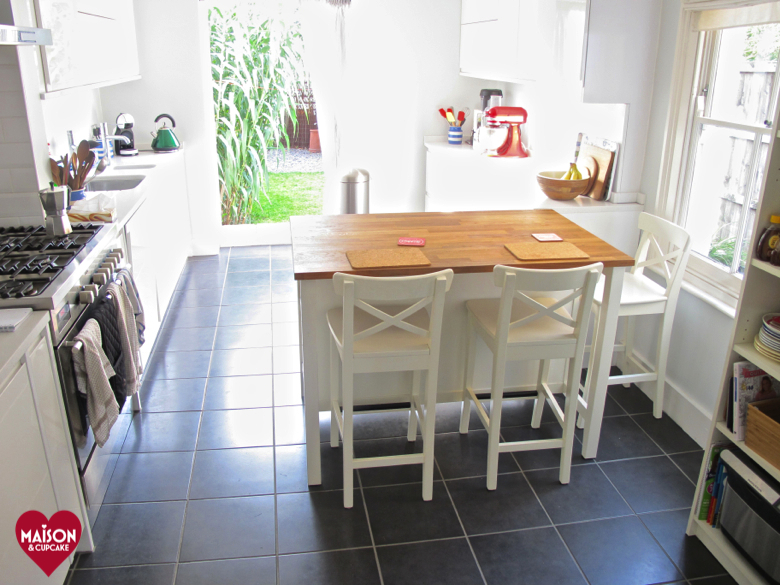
544, 329
390, 342
637, 290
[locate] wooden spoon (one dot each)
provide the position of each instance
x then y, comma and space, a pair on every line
86, 167
83, 150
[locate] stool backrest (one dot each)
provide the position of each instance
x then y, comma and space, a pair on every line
516, 282
414, 293
657, 235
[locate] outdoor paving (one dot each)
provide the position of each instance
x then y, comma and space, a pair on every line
296, 160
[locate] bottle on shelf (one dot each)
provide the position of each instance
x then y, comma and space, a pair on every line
768, 240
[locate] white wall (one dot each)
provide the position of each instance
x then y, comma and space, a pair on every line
701, 333
175, 70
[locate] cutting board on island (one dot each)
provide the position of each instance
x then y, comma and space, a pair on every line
604, 158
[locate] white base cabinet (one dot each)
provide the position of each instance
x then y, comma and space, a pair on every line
37, 466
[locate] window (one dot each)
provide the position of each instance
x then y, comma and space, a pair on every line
719, 138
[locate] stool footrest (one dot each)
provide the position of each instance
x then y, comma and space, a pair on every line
538, 444
510, 394
381, 407
629, 378
388, 461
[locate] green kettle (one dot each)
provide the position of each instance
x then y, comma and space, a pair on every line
165, 140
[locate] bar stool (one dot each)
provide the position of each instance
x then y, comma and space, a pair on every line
396, 335
520, 327
643, 296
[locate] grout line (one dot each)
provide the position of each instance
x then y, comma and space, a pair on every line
370, 530
462, 527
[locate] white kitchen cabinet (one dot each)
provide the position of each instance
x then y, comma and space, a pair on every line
94, 42
37, 466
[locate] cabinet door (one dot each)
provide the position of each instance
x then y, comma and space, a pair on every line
143, 253
479, 10
24, 480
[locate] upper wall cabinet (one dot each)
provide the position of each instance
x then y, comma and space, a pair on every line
94, 42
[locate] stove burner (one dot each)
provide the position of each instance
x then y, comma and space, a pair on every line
15, 289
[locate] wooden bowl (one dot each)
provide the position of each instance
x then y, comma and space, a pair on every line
559, 189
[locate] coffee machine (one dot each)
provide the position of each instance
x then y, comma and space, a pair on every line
489, 98
124, 127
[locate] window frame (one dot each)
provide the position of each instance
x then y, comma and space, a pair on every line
682, 132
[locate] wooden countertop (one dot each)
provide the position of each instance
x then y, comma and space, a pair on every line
469, 241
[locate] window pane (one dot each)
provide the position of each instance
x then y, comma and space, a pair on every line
745, 71
759, 172
721, 174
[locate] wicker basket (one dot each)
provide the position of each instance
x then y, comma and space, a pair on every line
763, 429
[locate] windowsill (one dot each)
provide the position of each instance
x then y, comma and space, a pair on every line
694, 286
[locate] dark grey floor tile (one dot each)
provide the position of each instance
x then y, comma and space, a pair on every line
281, 251
171, 365
285, 312
543, 458
228, 429
350, 567
232, 315
228, 528
241, 362
687, 552
192, 317
588, 496
620, 550
429, 563
247, 295
150, 477
282, 264
466, 455
287, 390
390, 475
650, 485
121, 427
206, 264
291, 469
399, 514
200, 281
228, 473
238, 392
631, 399
380, 425
136, 534
148, 575
173, 395
690, 463
284, 291
518, 413
186, 339
318, 521
287, 359
288, 425
250, 252
286, 334
242, 336
257, 571
202, 297
621, 438
235, 279
512, 506
162, 431
529, 557
666, 433
448, 418
254, 264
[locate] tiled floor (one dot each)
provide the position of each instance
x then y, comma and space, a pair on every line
210, 486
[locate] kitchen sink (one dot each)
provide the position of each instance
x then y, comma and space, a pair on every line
115, 183
133, 167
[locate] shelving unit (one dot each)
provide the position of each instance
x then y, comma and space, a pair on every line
759, 296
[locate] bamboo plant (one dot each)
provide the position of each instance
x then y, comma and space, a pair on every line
257, 67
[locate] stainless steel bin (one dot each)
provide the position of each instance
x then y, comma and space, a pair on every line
354, 191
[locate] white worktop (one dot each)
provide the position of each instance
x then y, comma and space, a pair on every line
14, 345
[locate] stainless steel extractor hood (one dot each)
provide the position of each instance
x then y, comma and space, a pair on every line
24, 35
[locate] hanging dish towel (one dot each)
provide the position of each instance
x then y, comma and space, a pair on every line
93, 370
128, 333
124, 276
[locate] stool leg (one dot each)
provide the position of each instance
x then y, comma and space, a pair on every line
494, 429
346, 383
664, 337
569, 417
629, 345
335, 362
468, 378
591, 364
411, 433
541, 397
428, 427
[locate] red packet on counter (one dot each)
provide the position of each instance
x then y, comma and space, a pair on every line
411, 242
547, 237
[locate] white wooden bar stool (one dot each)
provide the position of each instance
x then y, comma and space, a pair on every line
520, 327
395, 335
669, 244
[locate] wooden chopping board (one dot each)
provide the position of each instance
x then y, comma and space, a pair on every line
604, 159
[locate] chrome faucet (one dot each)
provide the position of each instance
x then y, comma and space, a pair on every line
122, 139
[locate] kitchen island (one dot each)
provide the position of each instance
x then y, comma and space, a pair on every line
471, 244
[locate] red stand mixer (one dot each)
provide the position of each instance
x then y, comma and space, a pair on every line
512, 117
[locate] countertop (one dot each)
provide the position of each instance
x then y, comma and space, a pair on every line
14, 345
469, 241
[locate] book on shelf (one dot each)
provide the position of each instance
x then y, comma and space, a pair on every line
713, 461
751, 384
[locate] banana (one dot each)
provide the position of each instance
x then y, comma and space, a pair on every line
567, 176
576, 175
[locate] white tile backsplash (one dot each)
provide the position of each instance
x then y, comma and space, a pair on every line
8, 55
12, 104
6, 183
14, 130
10, 80
15, 156
22, 206
24, 180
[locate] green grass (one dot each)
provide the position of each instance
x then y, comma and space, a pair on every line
290, 194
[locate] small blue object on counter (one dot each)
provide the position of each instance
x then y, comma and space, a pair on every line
455, 135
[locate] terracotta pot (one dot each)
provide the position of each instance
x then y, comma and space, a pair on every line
314, 141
